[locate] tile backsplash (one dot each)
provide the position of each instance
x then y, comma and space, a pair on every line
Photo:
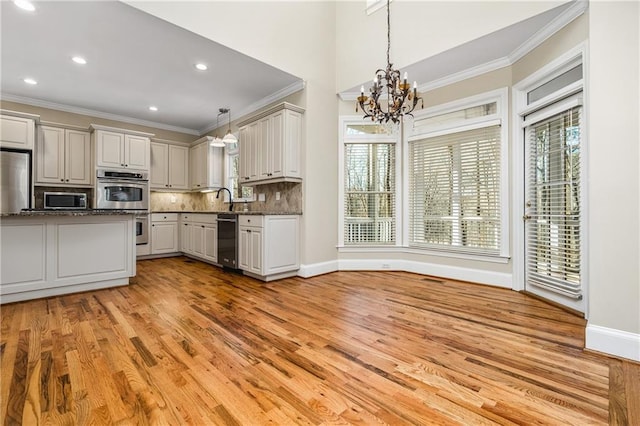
290, 200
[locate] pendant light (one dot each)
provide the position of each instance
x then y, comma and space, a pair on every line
229, 138
217, 142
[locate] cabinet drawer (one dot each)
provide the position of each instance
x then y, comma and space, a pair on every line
164, 217
203, 218
253, 220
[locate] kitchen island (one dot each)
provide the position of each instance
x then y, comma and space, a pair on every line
46, 253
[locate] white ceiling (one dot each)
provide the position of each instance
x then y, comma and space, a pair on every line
134, 60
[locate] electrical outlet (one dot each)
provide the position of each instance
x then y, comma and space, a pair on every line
278, 196
261, 197
386, 266
173, 199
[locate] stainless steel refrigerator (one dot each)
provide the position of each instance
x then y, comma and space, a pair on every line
15, 180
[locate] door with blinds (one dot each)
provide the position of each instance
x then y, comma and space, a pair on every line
553, 240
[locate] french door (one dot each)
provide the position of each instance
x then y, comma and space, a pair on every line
553, 220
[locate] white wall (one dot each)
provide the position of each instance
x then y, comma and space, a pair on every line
299, 38
419, 30
614, 178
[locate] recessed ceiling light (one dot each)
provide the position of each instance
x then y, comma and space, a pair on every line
153, 108
201, 67
24, 4
30, 81
79, 60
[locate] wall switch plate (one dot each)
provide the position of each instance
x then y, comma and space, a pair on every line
278, 196
173, 199
261, 197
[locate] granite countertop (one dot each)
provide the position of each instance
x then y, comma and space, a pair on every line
262, 213
87, 212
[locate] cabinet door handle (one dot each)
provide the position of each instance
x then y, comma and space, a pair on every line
67, 180
122, 164
61, 180
202, 226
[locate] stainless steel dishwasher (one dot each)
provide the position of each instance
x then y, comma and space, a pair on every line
228, 240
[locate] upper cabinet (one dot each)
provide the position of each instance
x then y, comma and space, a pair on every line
17, 131
270, 146
206, 167
169, 166
122, 149
63, 157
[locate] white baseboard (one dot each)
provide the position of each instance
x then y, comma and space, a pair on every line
613, 342
307, 271
497, 279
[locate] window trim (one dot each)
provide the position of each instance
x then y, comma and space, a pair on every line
570, 58
500, 96
228, 154
344, 139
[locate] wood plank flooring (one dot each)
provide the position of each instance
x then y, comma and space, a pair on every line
191, 344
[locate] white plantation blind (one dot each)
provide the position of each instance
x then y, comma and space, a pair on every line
370, 198
553, 227
454, 191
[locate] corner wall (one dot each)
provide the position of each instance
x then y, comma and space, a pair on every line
614, 178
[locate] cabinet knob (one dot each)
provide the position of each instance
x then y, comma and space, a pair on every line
164, 217
61, 180
202, 226
153, 224
122, 164
67, 180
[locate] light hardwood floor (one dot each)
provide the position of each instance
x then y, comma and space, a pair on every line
188, 343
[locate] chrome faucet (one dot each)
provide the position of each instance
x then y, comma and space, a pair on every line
230, 197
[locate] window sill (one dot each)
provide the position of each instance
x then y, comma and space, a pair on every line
425, 252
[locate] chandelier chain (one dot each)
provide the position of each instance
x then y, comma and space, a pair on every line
400, 99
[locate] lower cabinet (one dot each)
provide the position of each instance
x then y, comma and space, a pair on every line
164, 233
269, 246
66, 254
199, 236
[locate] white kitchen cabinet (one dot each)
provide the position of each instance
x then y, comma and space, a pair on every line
248, 145
186, 225
169, 166
270, 146
63, 157
17, 132
269, 246
65, 254
206, 165
199, 236
164, 233
122, 149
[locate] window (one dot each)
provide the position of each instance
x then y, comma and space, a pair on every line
240, 193
456, 178
368, 185
369, 193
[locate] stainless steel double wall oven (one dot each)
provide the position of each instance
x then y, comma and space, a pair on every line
125, 190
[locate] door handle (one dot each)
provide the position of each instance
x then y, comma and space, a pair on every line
526, 217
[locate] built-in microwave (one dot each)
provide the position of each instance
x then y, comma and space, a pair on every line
65, 200
122, 190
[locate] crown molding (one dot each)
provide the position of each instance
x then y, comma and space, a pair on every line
565, 18
274, 97
574, 11
94, 113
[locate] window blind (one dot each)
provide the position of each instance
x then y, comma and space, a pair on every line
454, 191
553, 229
370, 198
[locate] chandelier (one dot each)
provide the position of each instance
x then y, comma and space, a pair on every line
401, 100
